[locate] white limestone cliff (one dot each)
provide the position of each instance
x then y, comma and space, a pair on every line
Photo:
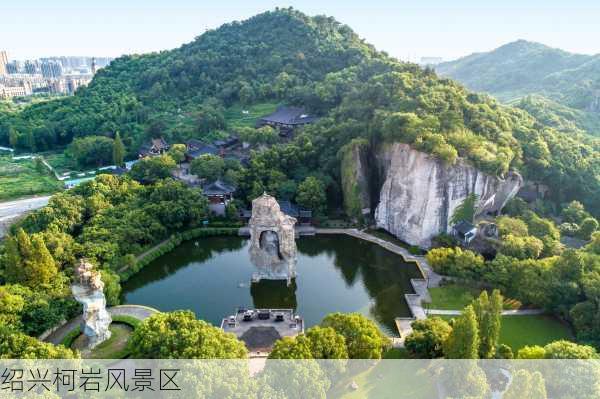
420, 193
89, 292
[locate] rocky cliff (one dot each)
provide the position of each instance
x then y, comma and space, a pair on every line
420, 193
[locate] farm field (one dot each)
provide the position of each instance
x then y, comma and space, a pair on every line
21, 178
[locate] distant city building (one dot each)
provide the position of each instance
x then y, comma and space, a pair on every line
431, 60
3, 62
51, 69
73, 82
14, 67
7, 92
59, 75
31, 67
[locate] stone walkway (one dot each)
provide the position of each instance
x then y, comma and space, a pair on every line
137, 311
420, 286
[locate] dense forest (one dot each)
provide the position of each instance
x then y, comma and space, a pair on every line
568, 83
288, 57
362, 97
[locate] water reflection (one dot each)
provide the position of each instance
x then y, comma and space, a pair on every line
334, 274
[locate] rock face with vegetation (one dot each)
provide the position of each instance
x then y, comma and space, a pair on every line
355, 178
420, 193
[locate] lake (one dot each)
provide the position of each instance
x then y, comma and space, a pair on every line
335, 273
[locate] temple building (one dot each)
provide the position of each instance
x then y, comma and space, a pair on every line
153, 148
286, 119
464, 231
219, 194
259, 329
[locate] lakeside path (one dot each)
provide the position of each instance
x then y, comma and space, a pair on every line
137, 311
11, 210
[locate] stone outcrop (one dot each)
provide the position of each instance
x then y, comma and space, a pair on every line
420, 193
89, 292
272, 240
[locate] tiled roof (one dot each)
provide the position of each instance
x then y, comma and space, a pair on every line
289, 116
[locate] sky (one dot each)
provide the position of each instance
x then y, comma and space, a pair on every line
408, 30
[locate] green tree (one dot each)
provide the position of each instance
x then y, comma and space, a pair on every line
311, 195
15, 345
13, 137
465, 210
179, 335
208, 166
569, 350
526, 385
118, 150
177, 152
91, 150
363, 339
527, 247
152, 169
508, 225
326, 343
587, 228
463, 342
112, 288
488, 312
427, 338
291, 348
28, 261
574, 213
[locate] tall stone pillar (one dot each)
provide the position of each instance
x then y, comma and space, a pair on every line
88, 290
272, 241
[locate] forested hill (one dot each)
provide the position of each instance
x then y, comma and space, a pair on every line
284, 56
569, 82
171, 92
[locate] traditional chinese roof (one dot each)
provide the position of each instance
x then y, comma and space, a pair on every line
463, 227
218, 187
260, 338
153, 146
203, 150
289, 116
286, 207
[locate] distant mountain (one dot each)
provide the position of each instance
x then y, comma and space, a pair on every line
519, 69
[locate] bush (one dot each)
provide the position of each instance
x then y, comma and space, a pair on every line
456, 262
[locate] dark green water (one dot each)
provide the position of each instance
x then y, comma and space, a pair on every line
335, 274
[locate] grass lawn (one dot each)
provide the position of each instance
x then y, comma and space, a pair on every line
456, 297
235, 117
60, 162
386, 380
113, 348
20, 178
451, 297
519, 331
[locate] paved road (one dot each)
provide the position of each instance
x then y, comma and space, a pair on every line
11, 210
137, 311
